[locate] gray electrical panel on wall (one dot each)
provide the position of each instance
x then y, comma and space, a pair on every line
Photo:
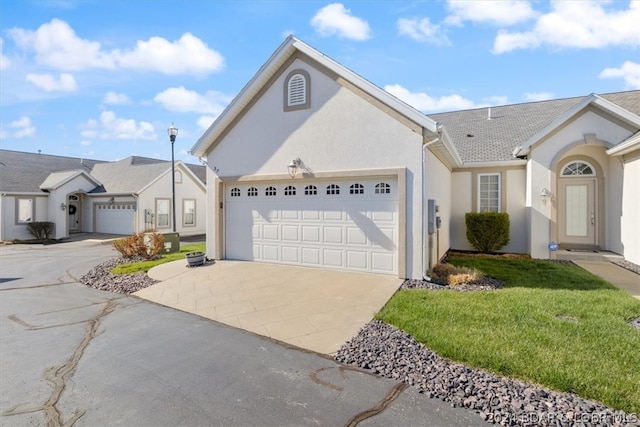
431, 216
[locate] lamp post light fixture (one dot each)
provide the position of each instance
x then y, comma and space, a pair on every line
173, 132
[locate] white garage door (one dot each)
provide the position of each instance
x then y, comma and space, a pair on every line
117, 218
347, 224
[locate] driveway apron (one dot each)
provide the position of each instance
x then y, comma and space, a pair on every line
312, 308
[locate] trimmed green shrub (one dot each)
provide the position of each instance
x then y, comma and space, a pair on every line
487, 231
40, 229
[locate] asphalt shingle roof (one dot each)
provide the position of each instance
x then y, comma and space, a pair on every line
25, 172
478, 139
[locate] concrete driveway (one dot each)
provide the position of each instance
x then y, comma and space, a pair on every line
312, 308
71, 355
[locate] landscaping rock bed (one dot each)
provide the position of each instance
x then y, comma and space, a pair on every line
394, 354
100, 277
635, 268
485, 284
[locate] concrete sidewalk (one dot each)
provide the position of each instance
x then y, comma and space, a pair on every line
312, 308
614, 274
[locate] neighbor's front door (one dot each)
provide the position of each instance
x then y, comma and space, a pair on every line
74, 216
578, 212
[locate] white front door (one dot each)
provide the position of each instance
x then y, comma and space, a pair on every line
578, 212
339, 224
74, 216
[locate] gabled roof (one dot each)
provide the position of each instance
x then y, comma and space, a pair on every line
133, 174
288, 48
25, 172
58, 179
491, 134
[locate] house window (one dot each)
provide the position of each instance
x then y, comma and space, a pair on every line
296, 90
382, 188
270, 191
178, 177
333, 189
25, 210
235, 192
290, 190
252, 192
310, 190
162, 213
356, 189
489, 192
578, 169
189, 212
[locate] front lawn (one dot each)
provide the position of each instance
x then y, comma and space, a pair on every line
144, 266
552, 324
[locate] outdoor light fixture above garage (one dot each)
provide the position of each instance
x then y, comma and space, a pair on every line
293, 167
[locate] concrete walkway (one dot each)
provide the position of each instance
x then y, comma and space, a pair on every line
601, 264
312, 308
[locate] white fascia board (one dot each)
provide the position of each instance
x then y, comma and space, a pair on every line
72, 177
631, 144
445, 139
270, 67
24, 193
495, 164
594, 99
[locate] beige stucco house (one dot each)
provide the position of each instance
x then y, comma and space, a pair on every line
313, 165
80, 195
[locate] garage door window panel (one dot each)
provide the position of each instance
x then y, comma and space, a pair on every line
310, 190
333, 189
356, 189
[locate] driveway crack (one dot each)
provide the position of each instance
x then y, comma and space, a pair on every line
393, 394
59, 376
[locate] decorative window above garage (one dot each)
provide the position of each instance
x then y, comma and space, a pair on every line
356, 189
382, 188
252, 192
290, 190
310, 190
235, 192
270, 191
333, 189
297, 91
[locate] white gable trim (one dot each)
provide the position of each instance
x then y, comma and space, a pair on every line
630, 144
67, 179
183, 168
592, 99
269, 69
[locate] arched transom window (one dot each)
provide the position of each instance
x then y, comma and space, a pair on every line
578, 169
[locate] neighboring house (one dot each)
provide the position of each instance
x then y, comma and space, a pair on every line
313, 165
79, 195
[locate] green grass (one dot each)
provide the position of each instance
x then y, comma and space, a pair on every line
144, 266
554, 325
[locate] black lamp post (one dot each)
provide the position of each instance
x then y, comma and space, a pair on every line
173, 132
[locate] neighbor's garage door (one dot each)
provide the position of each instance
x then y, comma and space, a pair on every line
115, 218
335, 224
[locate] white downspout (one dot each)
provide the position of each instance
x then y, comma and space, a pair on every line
425, 239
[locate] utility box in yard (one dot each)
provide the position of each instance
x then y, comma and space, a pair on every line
171, 242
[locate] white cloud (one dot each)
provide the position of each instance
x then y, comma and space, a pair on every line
538, 96
205, 121
21, 128
577, 24
188, 55
114, 98
495, 12
335, 19
55, 44
65, 83
422, 30
629, 71
187, 101
85, 143
426, 103
111, 127
4, 61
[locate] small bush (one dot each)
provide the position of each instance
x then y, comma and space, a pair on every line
140, 245
451, 275
487, 231
40, 229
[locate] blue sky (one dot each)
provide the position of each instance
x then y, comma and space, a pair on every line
104, 79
